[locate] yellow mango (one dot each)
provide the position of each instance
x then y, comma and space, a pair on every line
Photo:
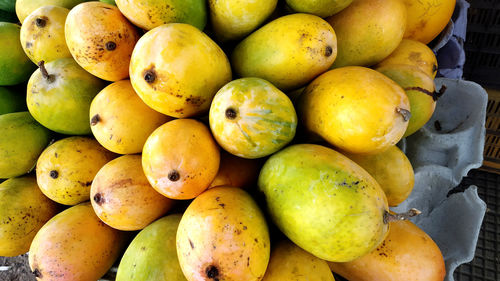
290, 263
356, 109
415, 53
223, 236
66, 168
368, 31
392, 170
176, 69
122, 196
233, 20
288, 52
321, 8
121, 121
100, 39
236, 171
407, 253
75, 245
23, 211
25, 7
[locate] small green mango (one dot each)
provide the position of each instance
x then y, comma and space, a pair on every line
10, 101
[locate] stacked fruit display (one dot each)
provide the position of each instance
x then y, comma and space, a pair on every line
242, 140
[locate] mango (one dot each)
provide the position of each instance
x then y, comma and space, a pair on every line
321, 8
368, 31
355, 109
415, 53
100, 39
122, 196
111, 2
236, 171
223, 236
176, 69
66, 168
121, 121
427, 18
21, 142
42, 34
392, 170
251, 118
8, 5
419, 88
407, 253
152, 13
26, 7
10, 101
75, 246
180, 159
323, 202
15, 66
23, 211
59, 94
152, 255
290, 263
288, 52
232, 20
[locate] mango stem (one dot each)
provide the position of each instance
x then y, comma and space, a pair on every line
45, 74
388, 217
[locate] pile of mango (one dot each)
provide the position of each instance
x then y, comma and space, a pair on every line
215, 140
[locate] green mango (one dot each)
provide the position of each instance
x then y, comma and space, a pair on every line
15, 66
111, 2
321, 8
324, 202
8, 5
60, 98
152, 255
21, 142
6, 16
10, 101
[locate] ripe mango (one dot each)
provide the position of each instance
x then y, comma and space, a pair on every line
42, 34
59, 96
21, 142
321, 8
407, 253
176, 69
290, 263
181, 158
152, 255
121, 121
232, 20
236, 171
392, 170
223, 236
11, 101
152, 13
26, 7
75, 245
65, 169
288, 52
251, 118
324, 202
122, 196
368, 31
356, 109
23, 211
100, 39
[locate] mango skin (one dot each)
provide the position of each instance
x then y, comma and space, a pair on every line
21, 142
25, 7
45, 42
355, 109
8, 5
75, 245
407, 253
321, 8
122, 196
323, 202
182, 80
101, 39
62, 105
76, 161
120, 120
15, 66
419, 88
264, 122
288, 52
236, 171
392, 170
152, 13
368, 31
10, 101
23, 211
152, 255
223, 236
232, 20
